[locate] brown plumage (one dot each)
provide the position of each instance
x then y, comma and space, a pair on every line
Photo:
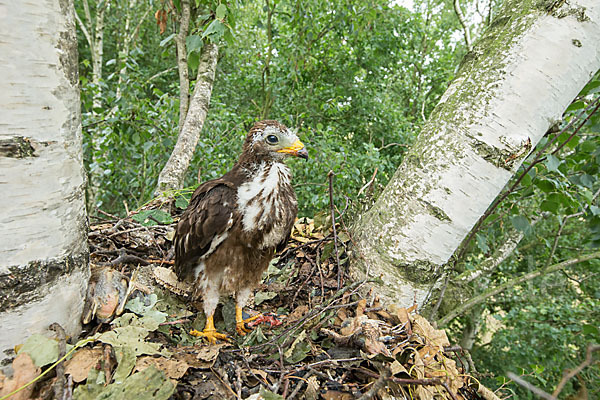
233, 225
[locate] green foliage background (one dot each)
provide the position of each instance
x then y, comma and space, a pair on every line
356, 79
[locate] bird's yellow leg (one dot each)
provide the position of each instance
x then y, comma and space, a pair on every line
209, 332
240, 322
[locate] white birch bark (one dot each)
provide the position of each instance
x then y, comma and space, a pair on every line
172, 174
43, 224
517, 82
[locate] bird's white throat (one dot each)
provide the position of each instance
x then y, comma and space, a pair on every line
259, 197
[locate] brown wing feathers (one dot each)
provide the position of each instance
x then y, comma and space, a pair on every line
209, 215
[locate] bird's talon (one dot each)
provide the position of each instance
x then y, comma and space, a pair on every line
241, 329
210, 335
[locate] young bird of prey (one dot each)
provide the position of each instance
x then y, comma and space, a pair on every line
233, 225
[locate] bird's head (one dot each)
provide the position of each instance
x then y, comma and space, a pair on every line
272, 140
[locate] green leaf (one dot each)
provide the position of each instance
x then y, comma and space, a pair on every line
552, 162
592, 87
482, 243
595, 210
193, 43
221, 11
521, 223
259, 297
577, 105
587, 180
126, 361
215, 28
591, 330
182, 202
544, 185
132, 337
166, 40
194, 60
549, 206
41, 349
152, 217
150, 384
268, 395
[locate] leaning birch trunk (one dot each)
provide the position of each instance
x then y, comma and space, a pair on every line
511, 88
43, 248
171, 176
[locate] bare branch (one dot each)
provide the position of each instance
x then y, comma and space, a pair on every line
532, 388
589, 359
171, 176
499, 289
182, 62
88, 38
463, 22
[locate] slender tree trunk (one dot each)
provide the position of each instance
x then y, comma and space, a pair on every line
463, 23
93, 30
128, 41
172, 175
182, 62
97, 51
43, 247
516, 83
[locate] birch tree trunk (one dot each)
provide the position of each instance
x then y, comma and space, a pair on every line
43, 225
511, 88
171, 176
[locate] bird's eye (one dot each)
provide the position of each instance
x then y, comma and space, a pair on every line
272, 139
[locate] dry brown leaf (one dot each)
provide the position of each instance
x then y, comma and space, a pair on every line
297, 314
425, 392
24, 372
312, 388
335, 395
428, 353
437, 337
399, 314
396, 368
173, 369
80, 364
261, 373
198, 356
208, 354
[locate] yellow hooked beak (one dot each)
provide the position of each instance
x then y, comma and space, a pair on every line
297, 149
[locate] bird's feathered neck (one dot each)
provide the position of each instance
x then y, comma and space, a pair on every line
250, 158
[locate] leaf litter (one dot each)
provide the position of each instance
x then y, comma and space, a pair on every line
314, 341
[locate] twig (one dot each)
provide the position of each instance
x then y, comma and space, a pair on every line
379, 384
314, 313
68, 393
440, 298
238, 381
570, 374
299, 386
224, 384
533, 389
179, 321
59, 385
524, 278
335, 241
368, 184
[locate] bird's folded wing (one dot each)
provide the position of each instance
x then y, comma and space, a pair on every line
204, 224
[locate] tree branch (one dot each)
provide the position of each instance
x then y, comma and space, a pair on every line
527, 277
171, 176
461, 19
570, 374
88, 38
182, 62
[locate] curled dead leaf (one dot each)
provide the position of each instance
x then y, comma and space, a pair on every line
82, 361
